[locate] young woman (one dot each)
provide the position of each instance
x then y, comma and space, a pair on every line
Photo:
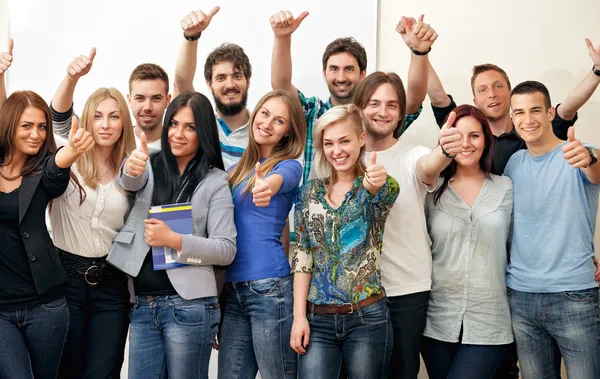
258, 316
33, 310
339, 222
176, 314
85, 220
468, 218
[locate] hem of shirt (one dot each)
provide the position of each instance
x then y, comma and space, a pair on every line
469, 342
45, 298
553, 289
401, 290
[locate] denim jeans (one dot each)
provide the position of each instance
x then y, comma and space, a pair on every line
32, 339
571, 319
255, 335
363, 339
172, 337
446, 360
99, 321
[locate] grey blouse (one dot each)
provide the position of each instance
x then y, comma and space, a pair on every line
469, 248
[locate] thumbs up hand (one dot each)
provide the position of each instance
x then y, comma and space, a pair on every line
375, 175
81, 65
575, 153
450, 137
283, 23
80, 140
136, 163
6, 58
197, 21
262, 192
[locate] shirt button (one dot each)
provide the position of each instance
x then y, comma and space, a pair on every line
31, 258
25, 235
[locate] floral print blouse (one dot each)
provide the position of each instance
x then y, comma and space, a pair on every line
341, 247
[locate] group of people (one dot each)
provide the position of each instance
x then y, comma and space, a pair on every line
462, 253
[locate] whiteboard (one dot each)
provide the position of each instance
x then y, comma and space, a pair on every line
49, 34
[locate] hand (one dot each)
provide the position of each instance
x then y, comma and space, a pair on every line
450, 137
197, 21
261, 193
575, 153
300, 335
594, 53
81, 65
597, 269
6, 58
416, 33
80, 141
157, 233
136, 163
284, 24
375, 176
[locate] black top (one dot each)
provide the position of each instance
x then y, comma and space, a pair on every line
152, 283
508, 143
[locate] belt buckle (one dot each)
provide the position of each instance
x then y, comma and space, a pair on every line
352, 306
88, 272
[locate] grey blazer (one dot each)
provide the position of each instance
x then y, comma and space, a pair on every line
212, 242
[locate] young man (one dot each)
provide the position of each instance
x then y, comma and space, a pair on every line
344, 67
552, 292
227, 72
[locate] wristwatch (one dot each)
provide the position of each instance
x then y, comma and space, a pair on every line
596, 70
593, 155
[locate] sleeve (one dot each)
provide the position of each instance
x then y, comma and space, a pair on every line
561, 126
61, 121
440, 114
302, 259
410, 118
382, 202
132, 183
291, 172
308, 103
508, 170
54, 178
416, 154
219, 245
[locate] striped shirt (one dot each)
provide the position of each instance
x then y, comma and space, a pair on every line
233, 142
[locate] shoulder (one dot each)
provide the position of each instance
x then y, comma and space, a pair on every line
288, 164
502, 181
214, 180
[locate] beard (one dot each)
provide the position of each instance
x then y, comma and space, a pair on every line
233, 108
340, 96
377, 134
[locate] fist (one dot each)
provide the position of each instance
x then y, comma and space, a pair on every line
80, 140
283, 23
197, 21
575, 153
261, 192
81, 65
375, 175
6, 58
136, 163
416, 33
450, 137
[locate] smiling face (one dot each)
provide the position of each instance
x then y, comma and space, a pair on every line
229, 87
107, 124
182, 136
271, 124
531, 117
31, 132
148, 101
492, 95
473, 141
342, 75
341, 145
383, 112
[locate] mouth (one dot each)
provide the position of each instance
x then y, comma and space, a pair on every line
105, 135
380, 122
263, 132
341, 160
529, 129
494, 105
466, 153
342, 86
177, 144
34, 144
231, 93
146, 117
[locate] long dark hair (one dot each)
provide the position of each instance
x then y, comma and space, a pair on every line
485, 162
169, 185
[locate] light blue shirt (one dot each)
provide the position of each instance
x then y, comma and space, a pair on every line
555, 208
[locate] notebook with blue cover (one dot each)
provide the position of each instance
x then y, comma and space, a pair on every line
179, 219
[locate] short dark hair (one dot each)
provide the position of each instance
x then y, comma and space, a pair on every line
149, 71
228, 52
480, 69
369, 85
530, 87
346, 45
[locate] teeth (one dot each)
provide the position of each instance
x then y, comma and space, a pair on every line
340, 159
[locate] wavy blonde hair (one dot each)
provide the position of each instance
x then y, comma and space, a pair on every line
323, 169
124, 145
290, 147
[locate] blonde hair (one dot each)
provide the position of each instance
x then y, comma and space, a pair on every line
124, 145
290, 147
350, 112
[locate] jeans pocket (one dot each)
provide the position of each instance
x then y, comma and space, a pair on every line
583, 296
374, 314
55, 305
266, 287
191, 314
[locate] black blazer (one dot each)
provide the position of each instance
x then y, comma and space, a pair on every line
34, 194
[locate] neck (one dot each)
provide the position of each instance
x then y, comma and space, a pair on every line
236, 121
468, 172
265, 151
544, 145
151, 135
182, 163
374, 144
335, 101
103, 155
345, 177
501, 125
17, 162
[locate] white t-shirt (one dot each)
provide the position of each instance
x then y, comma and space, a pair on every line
406, 254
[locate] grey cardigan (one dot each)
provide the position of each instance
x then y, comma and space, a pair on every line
212, 242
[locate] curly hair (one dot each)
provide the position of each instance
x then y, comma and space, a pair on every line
228, 52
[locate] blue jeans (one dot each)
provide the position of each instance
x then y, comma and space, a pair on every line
172, 337
446, 360
255, 336
363, 339
32, 339
570, 319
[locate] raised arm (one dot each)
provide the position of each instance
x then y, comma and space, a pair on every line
283, 25
431, 165
5, 62
80, 66
80, 141
185, 68
582, 93
579, 156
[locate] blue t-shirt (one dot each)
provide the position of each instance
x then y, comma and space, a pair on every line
260, 253
555, 208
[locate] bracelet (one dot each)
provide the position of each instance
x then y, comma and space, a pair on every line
446, 154
596, 70
192, 38
417, 52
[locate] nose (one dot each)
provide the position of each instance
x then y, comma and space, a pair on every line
337, 148
104, 123
229, 83
178, 132
147, 105
35, 133
341, 76
466, 141
383, 110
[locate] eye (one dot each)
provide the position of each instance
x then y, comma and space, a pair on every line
373, 104
157, 98
498, 85
115, 117
139, 98
43, 126
334, 69
190, 127
392, 106
345, 141
97, 117
349, 69
280, 121
264, 113
238, 76
172, 124
327, 144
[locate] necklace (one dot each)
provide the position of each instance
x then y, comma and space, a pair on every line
10, 178
103, 175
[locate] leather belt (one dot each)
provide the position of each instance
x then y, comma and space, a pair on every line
348, 308
91, 270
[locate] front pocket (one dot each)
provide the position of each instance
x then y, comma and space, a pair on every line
55, 305
265, 287
188, 314
374, 314
582, 296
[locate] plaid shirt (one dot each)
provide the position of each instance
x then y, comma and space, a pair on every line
315, 108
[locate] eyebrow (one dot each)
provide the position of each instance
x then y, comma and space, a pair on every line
341, 138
